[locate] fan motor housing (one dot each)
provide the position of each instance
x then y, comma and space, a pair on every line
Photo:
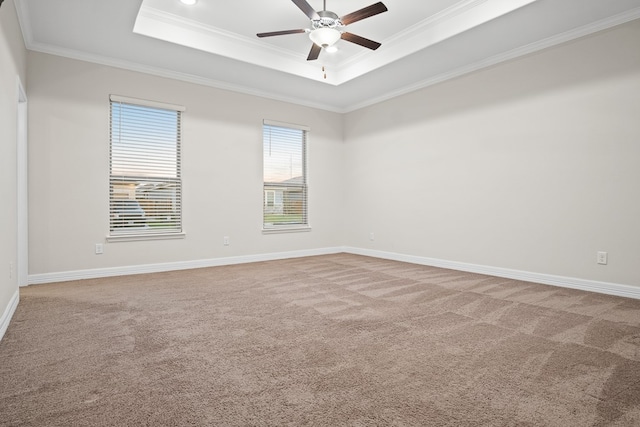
327, 19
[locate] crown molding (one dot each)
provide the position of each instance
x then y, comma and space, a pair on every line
462, 16
22, 12
506, 56
175, 75
162, 25
419, 28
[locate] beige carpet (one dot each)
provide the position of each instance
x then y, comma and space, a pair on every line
320, 341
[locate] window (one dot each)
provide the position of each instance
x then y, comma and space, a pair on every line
145, 188
285, 176
269, 198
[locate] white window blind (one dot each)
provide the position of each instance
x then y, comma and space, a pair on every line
145, 187
285, 176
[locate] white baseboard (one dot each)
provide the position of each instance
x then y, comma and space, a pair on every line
8, 312
65, 276
546, 279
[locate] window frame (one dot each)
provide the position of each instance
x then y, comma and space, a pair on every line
142, 233
304, 186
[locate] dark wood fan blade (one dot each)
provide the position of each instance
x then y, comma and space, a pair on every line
363, 13
361, 41
307, 9
279, 33
314, 53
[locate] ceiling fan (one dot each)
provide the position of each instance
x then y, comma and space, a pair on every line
326, 27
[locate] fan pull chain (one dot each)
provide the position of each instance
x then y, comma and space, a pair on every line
325, 74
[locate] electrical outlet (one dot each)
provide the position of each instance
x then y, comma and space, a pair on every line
225, 240
99, 248
602, 258
372, 237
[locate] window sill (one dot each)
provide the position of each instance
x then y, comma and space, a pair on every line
285, 229
141, 237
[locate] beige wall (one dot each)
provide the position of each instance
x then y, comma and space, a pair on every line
222, 169
531, 165
12, 67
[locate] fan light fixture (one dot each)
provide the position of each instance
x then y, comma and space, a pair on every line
189, 2
326, 27
325, 37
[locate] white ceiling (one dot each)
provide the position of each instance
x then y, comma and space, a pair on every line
214, 42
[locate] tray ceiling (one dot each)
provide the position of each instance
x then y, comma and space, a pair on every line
215, 43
